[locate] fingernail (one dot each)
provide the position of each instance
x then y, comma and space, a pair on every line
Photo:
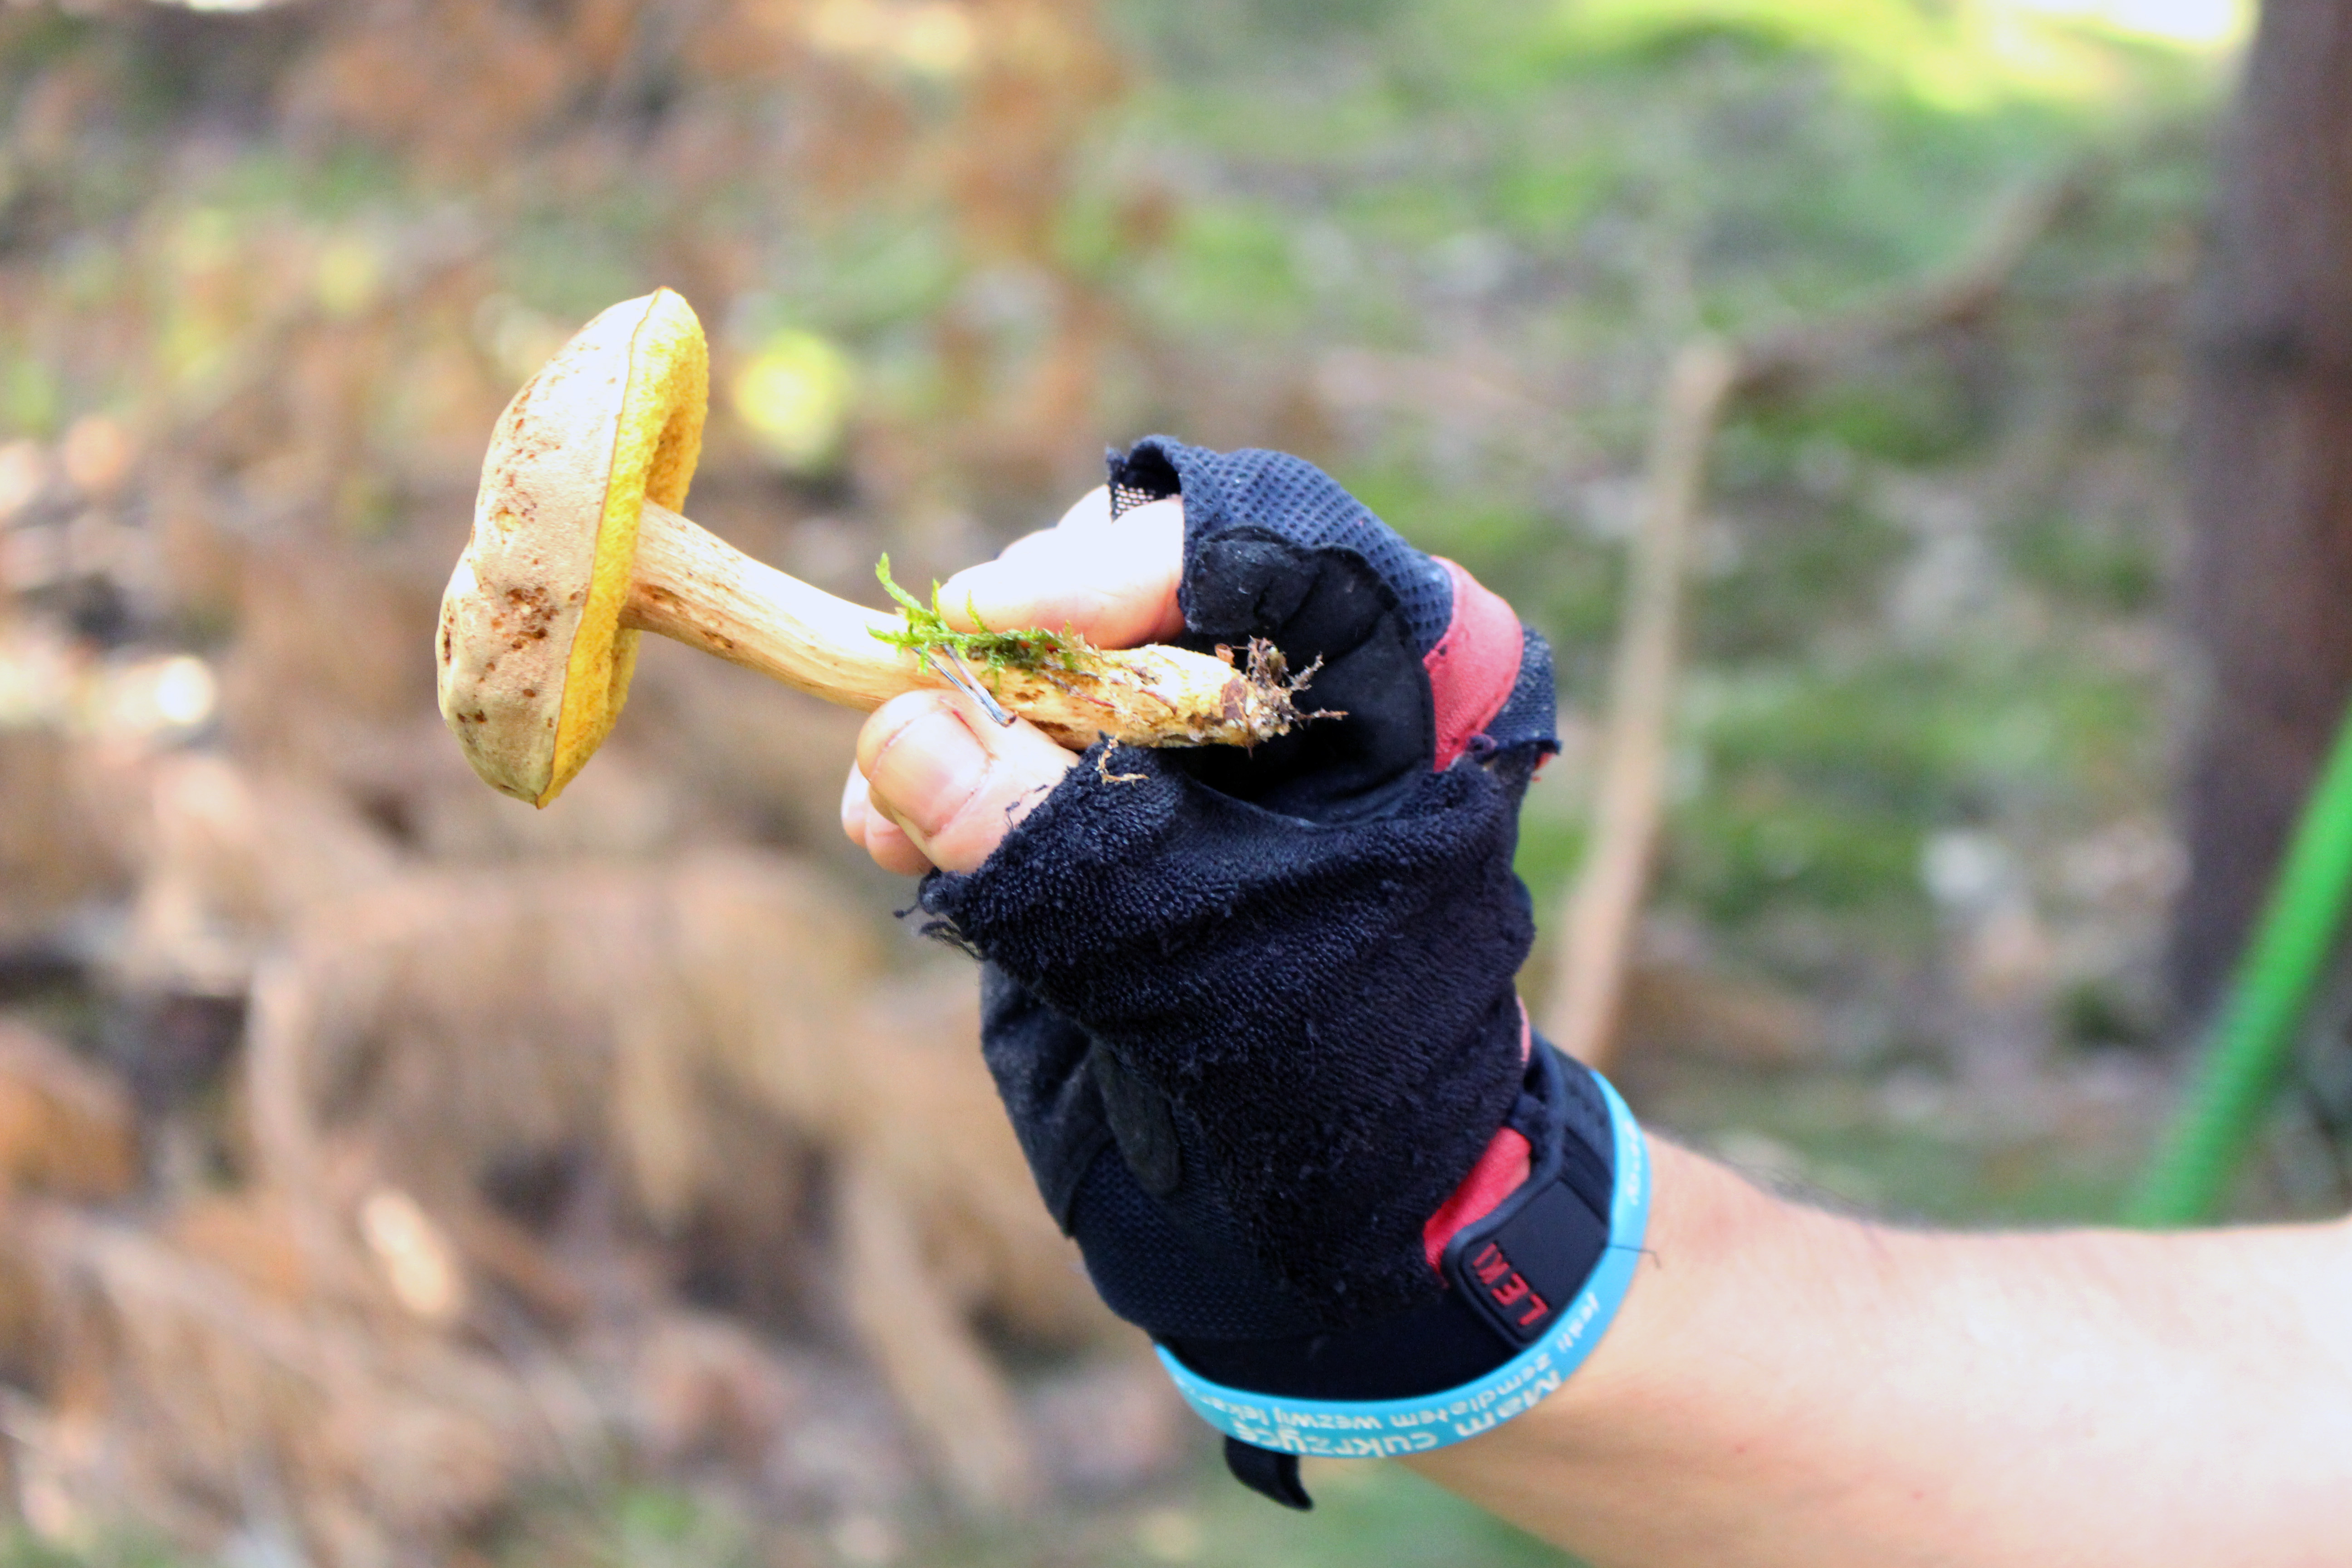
853, 806
925, 772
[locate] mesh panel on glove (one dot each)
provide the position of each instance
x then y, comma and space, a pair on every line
1274, 549
1280, 497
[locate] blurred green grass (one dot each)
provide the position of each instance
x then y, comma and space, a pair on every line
1364, 1513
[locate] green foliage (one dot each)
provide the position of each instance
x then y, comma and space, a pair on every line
1794, 154
1382, 1514
1908, 415
1922, 1170
20, 1548
2102, 568
1550, 849
2096, 1012
636, 1526
1769, 848
1953, 58
1232, 269
1365, 1513
28, 396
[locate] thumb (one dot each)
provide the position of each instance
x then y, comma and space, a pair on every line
954, 780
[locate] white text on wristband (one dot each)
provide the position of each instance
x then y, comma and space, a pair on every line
1348, 1429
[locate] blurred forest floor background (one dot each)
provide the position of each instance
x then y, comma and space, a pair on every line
396, 1175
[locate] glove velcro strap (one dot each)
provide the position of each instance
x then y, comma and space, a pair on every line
1505, 1266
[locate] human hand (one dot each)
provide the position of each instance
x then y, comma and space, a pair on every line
1252, 1012
938, 784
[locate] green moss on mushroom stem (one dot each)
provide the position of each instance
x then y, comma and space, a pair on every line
925, 628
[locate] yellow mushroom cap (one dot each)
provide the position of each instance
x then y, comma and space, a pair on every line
534, 662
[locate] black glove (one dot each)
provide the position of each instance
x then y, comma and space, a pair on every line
1254, 1013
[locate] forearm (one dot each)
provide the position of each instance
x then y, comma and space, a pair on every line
1787, 1387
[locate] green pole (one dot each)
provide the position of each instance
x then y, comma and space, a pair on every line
2255, 1036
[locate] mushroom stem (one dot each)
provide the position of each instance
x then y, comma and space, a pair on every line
691, 586
688, 585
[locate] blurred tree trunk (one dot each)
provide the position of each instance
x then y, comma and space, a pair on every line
2270, 566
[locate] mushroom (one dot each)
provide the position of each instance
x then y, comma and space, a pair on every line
577, 547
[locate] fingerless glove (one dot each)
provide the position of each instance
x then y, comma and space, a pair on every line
1254, 1013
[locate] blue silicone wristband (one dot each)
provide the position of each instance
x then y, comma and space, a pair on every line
1363, 1429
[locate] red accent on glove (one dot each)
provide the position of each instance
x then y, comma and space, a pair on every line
1499, 1173
1474, 666
1501, 1170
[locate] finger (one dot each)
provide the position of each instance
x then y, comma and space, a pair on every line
953, 781
1091, 510
1112, 583
880, 837
887, 844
